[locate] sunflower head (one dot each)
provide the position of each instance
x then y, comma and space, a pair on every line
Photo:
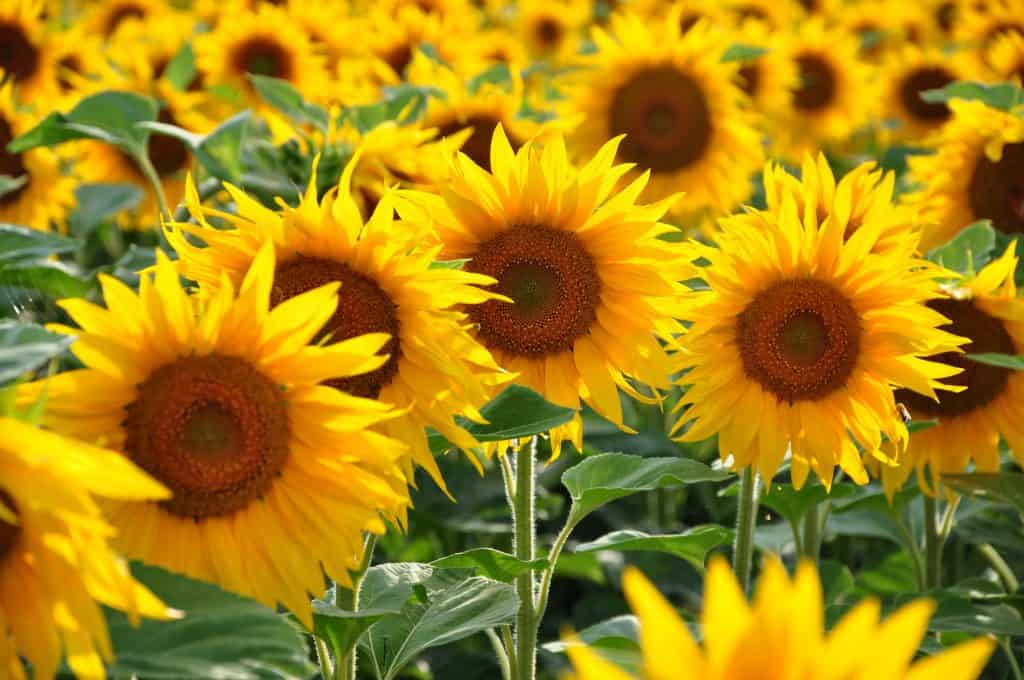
585, 280
27, 52
909, 72
778, 634
552, 29
1006, 57
979, 25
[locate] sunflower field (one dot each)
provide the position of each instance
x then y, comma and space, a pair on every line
511, 340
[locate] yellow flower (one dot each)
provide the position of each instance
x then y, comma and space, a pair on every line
28, 55
56, 566
985, 309
394, 36
683, 113
883, 27
274, 476
435, 369
779, 635
108, 19
775, 15
45, 195
980, 24
973, 174
770, 78
804, 330
590, 285
551, 29
906, 73
1006, 57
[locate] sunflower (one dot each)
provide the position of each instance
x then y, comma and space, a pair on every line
769, 79
974, 173
776, 15
107, 19
986, 310
685, 118
802, 333
267, 42
884, 26
488, 47
944, 14
552, 29
435, 369
863, 196
394, 37
1006, 57
591, 285
834, 95
331, 29
909, 71
979, 25
80, 65
687, 13
45, 194
27, 53
220, 400
780, 634
54, 554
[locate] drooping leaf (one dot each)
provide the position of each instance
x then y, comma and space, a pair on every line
1014, 363
220, 151
181, 70
793, 503
489, 562
969, 250
25, 347
1003, 96
52, 279
1002, 487
98, 202
341, 628
692, 545
283, 96
959, 614
221, 635
518, 412
498, 74
19, 245
620, 632
603, 478
740, 52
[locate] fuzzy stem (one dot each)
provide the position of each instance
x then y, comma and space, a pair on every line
932, 545
746, 521
525, 550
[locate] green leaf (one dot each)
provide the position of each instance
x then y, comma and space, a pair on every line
961, 615
98, 202
740, 52
9, 184
620, 632
25, 347
220, 151
1003, 96
518, 412
489, 562
1002, 487
1014, 363
498, 74
53, 279
969, 250
836, 580
692, 545
402, 103
21, 244
108, 116
448, 607
603, 478
342, 628
221, 636
794, 503
285, 98
181, 70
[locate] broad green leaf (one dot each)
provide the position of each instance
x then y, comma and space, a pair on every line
283, 96
960, 615
53, 279
221, 635
692, 545
98, 202
836, 580
108, 116
969, 250
498, 74
25, 347
129, 265
1003, 96
794, 503
580, 566
220, 151
403, 103
489, 562
1014, 363
181, 70
1002, 487
620, 632
740, 52
892, 576
341, 628
10, 184
447, 607
518, 412
603, 478
21, 244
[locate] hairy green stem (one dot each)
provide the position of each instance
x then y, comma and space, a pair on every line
510, 650
746, 521
323, 657
499, 651
812, 532
549, 571
1014, 663
347, 668
525, 550
1000, 566
932, 545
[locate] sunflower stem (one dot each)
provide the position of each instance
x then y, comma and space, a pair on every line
323, 657
746, 521
154, 180
1000, 566
549, 572
812, 533
347, 668
499, 652
1014, 664
932, 545
525, 548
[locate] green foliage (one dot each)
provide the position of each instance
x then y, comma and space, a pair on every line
1002, 96
741, 52
1014, 363
24, 347
493, 564
1003, 487
692, 545
19, 245
285, 98
969, 250
181, 69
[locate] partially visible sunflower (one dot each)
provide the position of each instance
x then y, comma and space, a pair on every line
220, 399
945, 15
770, 78
834, 96
552, 29
980, 24
332, 29
56, 565
775, 15
688, 13
985, 309
685, 118
882, 27
80, 65
802, 333
908, 72
27, 52
592, 289
779, 635
45, 194
488, 47
266, 42
1006, 57
394, 37
435, 369
974, 173
107, 19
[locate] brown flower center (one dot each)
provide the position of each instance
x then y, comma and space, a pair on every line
169, 155
750, 78
983, 382
67, 67
11, 164
121, 14
944, 16
554, 286
921, 80
478, 145
688, 21
213, 429
399, 57
665, 117
817, 88
799, 339
263, 56
996, 190
18, 56
363, 307
754, 12
549, 33
9, 533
